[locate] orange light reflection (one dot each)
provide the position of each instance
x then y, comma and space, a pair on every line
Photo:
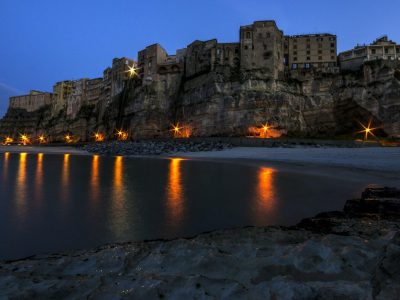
175, 192
265, 194
5, 166
65, 177
39, 176
95, 179
21, 188
118, 212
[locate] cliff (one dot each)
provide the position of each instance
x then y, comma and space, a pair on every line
226, 101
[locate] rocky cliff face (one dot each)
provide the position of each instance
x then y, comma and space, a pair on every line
227, 101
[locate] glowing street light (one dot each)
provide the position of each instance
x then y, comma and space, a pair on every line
68, 138
98, 137
132, 71
367, 130
8, 140
24, 139
176, 129
265, 127
42, 139
122, 135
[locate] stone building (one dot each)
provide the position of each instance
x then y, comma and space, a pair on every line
61, 90
155, 61
261, 47
31, 102
76, 98
114, 79
93, 90
311, 51
226, 54
381, 48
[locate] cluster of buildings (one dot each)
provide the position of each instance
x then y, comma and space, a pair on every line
262, 46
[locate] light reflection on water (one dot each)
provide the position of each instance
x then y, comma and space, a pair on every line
175, 193
39, 178
21, 187
51, 202
95, 179
65, 178
266, 198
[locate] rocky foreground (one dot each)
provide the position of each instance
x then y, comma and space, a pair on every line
353, 254
156, 147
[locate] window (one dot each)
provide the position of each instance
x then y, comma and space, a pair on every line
295, 41
265, 47
386, 50
308, 58
319, 45
236, 50
319, 57
294, 52
295, 47
260, 35
246, 47
308, 46
248, 35
268, 35
332, 57
307, 66
294, 58
373, 51
308, 52
319, 51
294, 66
332, 51
397, 50
308, 39
332, 45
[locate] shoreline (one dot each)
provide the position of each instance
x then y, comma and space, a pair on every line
369, 159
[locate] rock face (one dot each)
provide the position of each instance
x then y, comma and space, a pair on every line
331, 256
225, 101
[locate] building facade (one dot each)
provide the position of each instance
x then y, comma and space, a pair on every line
381, 48
310, 51
31, 102
261, 47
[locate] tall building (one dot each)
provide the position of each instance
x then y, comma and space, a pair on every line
261, 47
381, 48
310, 51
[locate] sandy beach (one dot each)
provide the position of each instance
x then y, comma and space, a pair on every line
45, 150
376, 159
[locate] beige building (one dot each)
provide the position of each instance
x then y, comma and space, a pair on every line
310, 51
93, 90
76, 98
381, 48
61, 90
261, 47
154, 61
32, 102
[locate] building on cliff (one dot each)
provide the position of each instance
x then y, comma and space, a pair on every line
261, 47
31, 102
381, 48
318, 51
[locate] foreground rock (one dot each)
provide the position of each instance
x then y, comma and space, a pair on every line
156, 147
338, 255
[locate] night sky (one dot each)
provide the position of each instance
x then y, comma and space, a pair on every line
45, 41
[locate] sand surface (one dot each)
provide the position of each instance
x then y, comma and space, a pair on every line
45, 150
373, 159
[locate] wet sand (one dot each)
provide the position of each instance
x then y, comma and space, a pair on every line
44, 150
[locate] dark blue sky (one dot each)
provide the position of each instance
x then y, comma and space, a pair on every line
45, 41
